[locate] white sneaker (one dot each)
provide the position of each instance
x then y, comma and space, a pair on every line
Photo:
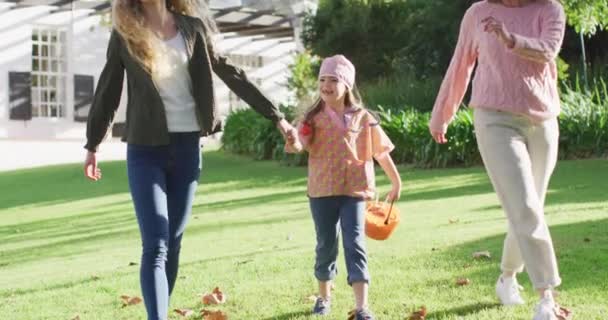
507, 290
545, 309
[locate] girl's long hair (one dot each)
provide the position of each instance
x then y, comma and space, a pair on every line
352, 98
143, 45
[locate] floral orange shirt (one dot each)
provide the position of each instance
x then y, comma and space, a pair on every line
341, 153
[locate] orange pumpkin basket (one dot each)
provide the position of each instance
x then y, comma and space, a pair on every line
381, 219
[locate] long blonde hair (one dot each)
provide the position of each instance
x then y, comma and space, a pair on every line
143, 45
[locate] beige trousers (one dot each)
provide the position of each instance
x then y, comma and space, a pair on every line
519, 156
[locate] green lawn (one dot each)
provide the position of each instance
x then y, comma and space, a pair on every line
67, 245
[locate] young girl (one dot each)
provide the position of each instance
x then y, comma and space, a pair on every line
342, 139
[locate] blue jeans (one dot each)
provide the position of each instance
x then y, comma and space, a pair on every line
330, 215
163, 181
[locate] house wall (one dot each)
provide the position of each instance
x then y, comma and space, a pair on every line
87, 46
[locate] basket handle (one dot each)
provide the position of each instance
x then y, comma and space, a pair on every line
390, 210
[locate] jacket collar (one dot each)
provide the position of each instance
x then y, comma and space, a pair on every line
188, 31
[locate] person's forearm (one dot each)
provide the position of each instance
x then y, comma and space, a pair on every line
387, 164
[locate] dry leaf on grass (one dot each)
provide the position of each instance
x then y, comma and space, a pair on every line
215, 297
351, 314
129, 301
482, 254
213, 315
453, 221
419, 314
184, 312
77, 317
463, 282
562, 313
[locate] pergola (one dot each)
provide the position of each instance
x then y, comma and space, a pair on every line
232, 21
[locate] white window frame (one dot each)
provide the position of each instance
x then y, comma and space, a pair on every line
49, 72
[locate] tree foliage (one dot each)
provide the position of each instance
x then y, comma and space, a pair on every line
587, 16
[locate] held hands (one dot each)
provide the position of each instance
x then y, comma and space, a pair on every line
290, 134
91, 170
499, 29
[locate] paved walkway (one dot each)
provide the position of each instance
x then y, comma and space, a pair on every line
20, 154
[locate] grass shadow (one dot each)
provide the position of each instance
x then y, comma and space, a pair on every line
65, 183
291, 315
580, 249
251, 201
462, 311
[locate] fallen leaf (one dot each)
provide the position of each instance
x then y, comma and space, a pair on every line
77, 317
129, 301
94, 277
213, 315
563, 313
419, 314
463, 282
184, 312
453, 221
215, 297
352, 314
482, 254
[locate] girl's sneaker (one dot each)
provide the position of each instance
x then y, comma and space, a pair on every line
507, 290
322, 307
360, 314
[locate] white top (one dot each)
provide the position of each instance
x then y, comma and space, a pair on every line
175, 87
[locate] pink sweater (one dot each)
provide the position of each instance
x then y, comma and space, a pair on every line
520, 80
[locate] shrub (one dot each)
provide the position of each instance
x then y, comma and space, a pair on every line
401, 90
246, 132
584, 122
583, 133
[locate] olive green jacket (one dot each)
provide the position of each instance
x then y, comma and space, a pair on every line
146, 122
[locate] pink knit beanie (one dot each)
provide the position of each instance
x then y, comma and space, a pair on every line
338, 66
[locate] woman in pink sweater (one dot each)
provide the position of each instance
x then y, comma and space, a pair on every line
515, 99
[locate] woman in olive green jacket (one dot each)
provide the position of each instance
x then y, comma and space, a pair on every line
167, 52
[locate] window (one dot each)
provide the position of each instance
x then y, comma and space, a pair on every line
247, 61
49, 68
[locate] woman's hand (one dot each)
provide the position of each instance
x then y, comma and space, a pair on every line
498, 28
91, 170
439, 137
288, 131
